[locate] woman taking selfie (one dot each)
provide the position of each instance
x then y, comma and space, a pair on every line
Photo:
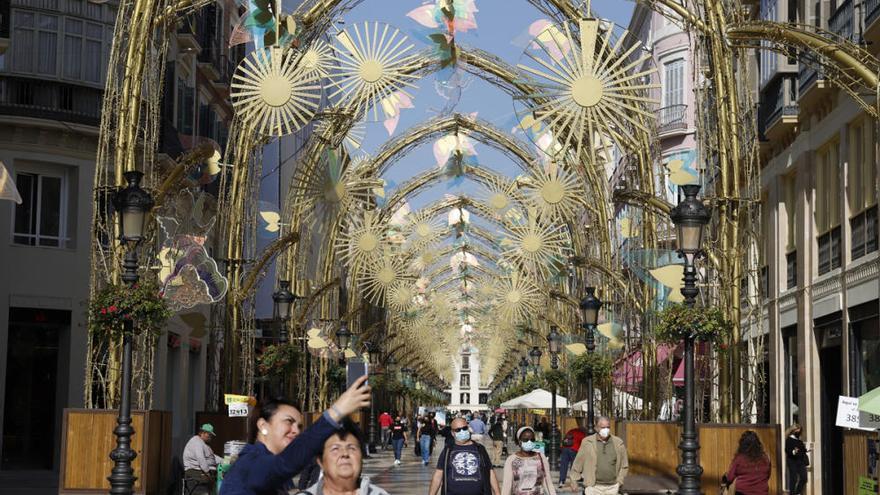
279, 452
527, 472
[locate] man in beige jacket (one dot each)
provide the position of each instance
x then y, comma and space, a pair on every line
601, 462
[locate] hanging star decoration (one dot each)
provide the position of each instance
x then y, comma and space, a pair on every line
499, 195
272, 94
373, 62
554, 192
336, 184
381, 276
516, 298
423, 229
536, 245
363, 241
589, 87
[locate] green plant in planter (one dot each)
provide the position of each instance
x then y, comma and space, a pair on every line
278, 359
678, 321
599, 363
555, 377
142, 303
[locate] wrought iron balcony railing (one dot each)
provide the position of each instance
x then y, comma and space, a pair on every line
54, 100
841, 21
671, 118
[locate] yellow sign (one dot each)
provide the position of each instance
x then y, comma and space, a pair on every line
239, 399
867, 486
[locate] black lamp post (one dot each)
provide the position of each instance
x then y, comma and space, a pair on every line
132, 203
689, 217
283, 301
554, 343
590, 306
524, 368
374, 356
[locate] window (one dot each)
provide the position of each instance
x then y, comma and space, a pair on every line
791, 270
185, 107
465, 362
826, 209
790, 204
673, 83
35, 47
465, 380
865, 350
40, 219
861, 177
789, 344
83, 49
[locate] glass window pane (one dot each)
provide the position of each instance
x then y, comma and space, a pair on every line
50, 206
73, 26
24, 19
47, 53
25, 221
49, 22
73, 57
94, 31
23, 50
93, 61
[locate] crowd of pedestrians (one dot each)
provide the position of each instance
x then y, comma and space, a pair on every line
328, 456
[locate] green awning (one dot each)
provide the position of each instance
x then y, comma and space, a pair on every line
870, 402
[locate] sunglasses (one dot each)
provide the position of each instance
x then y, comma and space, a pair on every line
463, 428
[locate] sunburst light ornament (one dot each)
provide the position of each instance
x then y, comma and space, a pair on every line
272, 94
363, 241
516, 298
536, 245
380, 277
555, 192
373, 61
423, 229
598, 85
336, 185
499, 195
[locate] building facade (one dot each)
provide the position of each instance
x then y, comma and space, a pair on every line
465, 392
819, 198
52, 69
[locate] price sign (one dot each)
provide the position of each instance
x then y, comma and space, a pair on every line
238, 410
233, 399
867, 486
849, 416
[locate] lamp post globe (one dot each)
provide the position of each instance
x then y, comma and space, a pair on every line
343, 336
132, 203
590, 306
690, 217
524, 367
535, 357
283, 300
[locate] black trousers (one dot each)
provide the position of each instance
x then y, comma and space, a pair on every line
197, 482
797, 478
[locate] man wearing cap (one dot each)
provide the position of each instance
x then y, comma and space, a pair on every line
199, 461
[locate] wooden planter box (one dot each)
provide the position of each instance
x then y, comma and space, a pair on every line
88, 439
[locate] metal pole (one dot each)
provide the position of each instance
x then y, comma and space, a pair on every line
689, 471
122, 476
591, 416
553, 458
372, 425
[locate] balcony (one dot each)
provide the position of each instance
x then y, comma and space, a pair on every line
872, 14
841, 21
778, 109
53, 100
812, 85
186, 35
672, 120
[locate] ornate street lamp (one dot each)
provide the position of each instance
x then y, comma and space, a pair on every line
133, 204
374, 356
343, 336
554, 343
524, 368
590, 306
283, 301
535, 358
690, 216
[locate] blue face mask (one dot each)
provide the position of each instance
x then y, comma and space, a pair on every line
463, 435
528, 446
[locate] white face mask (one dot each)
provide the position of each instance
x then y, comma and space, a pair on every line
604, 432
528, 446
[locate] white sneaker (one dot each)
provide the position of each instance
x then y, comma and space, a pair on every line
397, 462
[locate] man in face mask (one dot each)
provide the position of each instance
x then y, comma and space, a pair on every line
464, 467
601, 462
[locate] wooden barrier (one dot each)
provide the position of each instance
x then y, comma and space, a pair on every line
88, 439
855, 458
653, 450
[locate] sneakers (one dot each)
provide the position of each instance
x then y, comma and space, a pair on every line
397, 462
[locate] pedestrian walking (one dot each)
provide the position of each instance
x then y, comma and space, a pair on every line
278, 451
398, 439
527, 472
796, 460
601, 462
571, 444
750, 469
425, 436
478, 429
496, 433
464, 467
385, 421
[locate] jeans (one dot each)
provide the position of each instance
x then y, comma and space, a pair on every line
566, 458
385, 437
398, 447
797, 478
425, 442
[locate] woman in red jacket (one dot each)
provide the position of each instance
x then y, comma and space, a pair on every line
750, 469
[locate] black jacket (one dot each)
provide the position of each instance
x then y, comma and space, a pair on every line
799, 459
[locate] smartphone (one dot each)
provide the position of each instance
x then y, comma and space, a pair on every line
355, 369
